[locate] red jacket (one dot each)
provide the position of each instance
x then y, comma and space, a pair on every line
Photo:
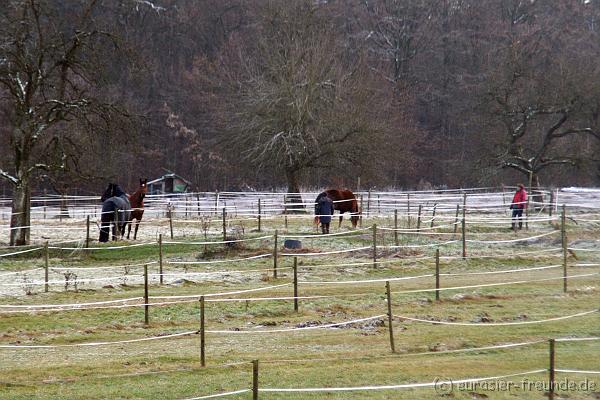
520, 199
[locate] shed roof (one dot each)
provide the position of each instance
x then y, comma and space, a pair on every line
172, 175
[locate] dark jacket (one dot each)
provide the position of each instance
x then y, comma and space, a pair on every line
324, 209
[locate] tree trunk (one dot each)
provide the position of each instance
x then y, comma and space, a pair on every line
21, 214
294, 197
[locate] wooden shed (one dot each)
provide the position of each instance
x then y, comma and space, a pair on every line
169, 183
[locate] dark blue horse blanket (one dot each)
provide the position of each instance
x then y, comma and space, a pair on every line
120, 203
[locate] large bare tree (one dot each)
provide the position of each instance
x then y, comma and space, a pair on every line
542, 91
51, 62
300, 101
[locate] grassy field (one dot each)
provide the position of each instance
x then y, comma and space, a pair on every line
353, 355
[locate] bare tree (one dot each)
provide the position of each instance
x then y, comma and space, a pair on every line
299, 101
51, 58
541, 94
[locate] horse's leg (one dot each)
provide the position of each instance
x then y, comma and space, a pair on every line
104, 232
114, 230
129, 231
341, 218
123, 225
137, 225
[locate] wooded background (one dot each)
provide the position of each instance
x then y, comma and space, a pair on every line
260, 94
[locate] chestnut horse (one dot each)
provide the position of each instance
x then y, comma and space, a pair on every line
344, 201
137, 206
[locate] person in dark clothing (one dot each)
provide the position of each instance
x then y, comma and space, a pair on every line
324, 210
519, 203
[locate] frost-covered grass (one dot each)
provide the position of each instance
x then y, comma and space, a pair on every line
356, 355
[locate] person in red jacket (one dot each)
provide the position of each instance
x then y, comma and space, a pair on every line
519, 203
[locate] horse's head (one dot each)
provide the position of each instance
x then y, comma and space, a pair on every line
143, 187
354, 217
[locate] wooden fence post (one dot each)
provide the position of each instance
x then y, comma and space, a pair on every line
46, 264
528, 200
456, 218
146, 306
160, 258
396, 242
198, 203
60, 211
296, 284
408, 209
419, 218
202, 334
551, 371
360, 218
224, 216
437, 274
433, 215
275, 251
374, 245
216, 202
185, 199
87, 231
464, 226
551, 205
170, 212
563, 234
390, 316
116, 225
259, 215
369, 203
254, 379
285, 213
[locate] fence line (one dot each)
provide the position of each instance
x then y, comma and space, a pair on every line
93, 344
214, 396
435, 383
577, 371
581, 314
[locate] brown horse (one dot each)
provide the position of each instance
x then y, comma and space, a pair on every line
344, 201
137, 206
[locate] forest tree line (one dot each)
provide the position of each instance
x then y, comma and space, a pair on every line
260, 94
